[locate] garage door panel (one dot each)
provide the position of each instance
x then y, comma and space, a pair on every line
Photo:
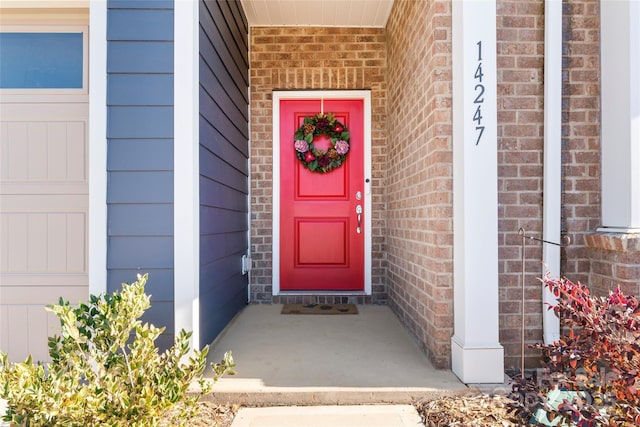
24, 330
76, 152
16, 151
21, 189
36, 251
14, 252
44, 242
41, 152
34, 280
76, 242
18, 331
35, 142
43, 294
69, 108
44, 198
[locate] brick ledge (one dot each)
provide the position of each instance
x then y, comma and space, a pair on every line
617, 242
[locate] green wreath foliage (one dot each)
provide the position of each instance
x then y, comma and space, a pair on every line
315, 159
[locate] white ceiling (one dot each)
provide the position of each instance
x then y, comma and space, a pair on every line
324, 13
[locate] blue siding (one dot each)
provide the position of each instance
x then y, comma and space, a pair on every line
140, 4
139, 57
160, 284
140, 122
140, 152
224, 151
215, 142
140, 89
134, 154
140, 187
141, 25
141, 220
141, 252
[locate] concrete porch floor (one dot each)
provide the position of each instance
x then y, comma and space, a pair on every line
366, 358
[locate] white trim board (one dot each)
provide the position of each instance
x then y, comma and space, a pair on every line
186, 197
98, 147
364, 95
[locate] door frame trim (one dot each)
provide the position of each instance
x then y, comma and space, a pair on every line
365, 96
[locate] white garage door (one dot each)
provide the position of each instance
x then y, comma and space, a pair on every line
43, 180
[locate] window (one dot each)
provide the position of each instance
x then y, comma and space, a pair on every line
42, 60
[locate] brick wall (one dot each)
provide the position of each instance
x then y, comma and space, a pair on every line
306, 58
580, 132
614, 261
520, 44
520, 129
419, 173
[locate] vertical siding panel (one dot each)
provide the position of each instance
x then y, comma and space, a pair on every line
56, 133
76, 239
76, 151
4, 151
37, 252
4, 243
16, 152
36, 155
19, 333
57, 242
38, 333
140, 152
4, 327
223, 164
17, 255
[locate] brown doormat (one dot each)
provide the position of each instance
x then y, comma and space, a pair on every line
319, 309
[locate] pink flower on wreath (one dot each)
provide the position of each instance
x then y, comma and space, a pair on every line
301, 146
342, 147
309, 157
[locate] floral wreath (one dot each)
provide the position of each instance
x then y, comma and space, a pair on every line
317, 160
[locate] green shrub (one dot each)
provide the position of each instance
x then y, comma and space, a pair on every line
106, 370
591, 376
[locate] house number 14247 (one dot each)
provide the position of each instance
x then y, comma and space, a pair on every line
479, 95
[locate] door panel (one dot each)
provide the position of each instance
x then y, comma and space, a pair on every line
320, 246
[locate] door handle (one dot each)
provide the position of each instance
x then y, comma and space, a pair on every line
359, 213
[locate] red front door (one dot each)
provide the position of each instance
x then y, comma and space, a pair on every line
321, 238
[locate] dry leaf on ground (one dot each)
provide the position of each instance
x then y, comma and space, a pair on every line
481, 410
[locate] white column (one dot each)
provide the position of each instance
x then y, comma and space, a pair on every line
477, 356
186, 197
620, 109
552, 160
98, 151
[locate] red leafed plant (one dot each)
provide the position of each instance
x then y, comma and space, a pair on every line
596, 361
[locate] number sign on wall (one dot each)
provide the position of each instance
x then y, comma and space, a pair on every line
479, 92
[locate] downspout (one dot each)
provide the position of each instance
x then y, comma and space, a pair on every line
552, 158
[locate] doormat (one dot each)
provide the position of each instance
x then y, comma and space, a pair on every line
319, 309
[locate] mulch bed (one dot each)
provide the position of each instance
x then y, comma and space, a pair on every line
481, 410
